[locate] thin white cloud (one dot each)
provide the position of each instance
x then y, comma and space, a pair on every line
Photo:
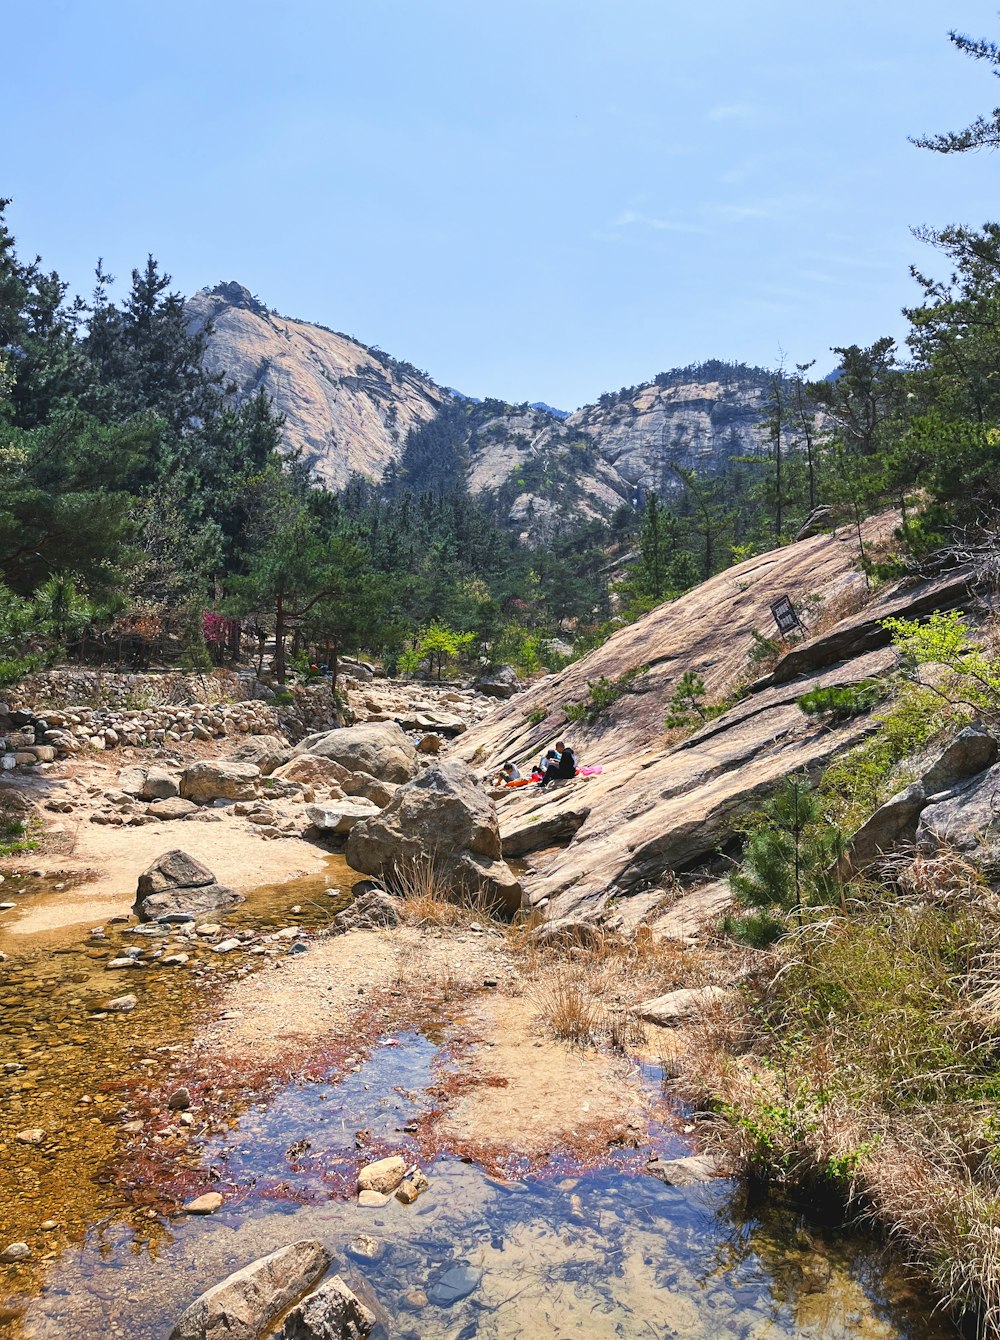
776, 208
740, 213
635, 218
731, 111
738, 175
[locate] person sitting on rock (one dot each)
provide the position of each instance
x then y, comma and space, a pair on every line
567, 759
548, 762
561, 765
507, 774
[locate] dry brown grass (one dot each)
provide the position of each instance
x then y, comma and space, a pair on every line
569, 1009
627, 968
947, 1220
865, 1059
429, 899
587, 984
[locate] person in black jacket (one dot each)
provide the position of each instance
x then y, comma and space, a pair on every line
562, 768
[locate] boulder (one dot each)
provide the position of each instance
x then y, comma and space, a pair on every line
554, 822
266, 751
972, 750
220, 780
374, 908
159, 785
501, 682
177, 883
247, 1302
568, 933
430, 719
132, 781
968, 821
383, 1176
454, 1283
206, 1204
313, 770
683, 1006
820, 518
363, 784
693, 911
359, 670
174, 808
338, 818
412, 1186
174, 870
332, 1312
377, 747
443, 817
893, 822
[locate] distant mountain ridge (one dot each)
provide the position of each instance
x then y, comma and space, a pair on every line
351, 408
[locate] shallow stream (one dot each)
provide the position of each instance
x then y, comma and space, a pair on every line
583, 1252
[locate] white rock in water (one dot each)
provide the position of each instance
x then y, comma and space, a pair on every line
383, 1176
248, 1302
206, 1204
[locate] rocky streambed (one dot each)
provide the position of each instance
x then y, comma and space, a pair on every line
182, 1098
298, 1070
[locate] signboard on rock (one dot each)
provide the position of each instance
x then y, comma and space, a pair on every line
785, 617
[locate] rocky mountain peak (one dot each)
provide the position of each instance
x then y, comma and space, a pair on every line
234, 294
347, 408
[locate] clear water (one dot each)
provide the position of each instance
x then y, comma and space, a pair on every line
605, 1252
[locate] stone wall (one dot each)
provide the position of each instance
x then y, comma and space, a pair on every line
29, 737
62, 711
71, 686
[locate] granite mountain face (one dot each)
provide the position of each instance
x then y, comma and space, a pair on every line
349, 408
693, 418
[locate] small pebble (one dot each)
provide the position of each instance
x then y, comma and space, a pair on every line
206, 1204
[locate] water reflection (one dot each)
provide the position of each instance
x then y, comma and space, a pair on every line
604, 1253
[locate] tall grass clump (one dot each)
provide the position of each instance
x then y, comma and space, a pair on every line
431, 898
569, 1009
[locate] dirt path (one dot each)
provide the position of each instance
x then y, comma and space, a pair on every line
535, 1093
325, 995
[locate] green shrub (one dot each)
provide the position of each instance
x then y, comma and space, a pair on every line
13, 838
686, 703
603, 693
840, 703
855, 785
687, 707
944, 639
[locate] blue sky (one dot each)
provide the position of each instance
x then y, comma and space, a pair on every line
535, 199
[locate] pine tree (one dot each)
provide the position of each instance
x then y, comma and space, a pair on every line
787, 854
984, 132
